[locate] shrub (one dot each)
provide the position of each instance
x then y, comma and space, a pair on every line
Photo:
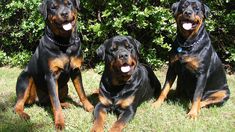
149, 21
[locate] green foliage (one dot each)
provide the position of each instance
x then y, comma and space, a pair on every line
21, 24
20, 59
17, 59
150, 22
3, 58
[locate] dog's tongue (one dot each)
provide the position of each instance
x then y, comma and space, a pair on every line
125, 69
67, 26
187, 26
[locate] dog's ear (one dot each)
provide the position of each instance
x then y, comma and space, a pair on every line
136, 43
206, 11
43, 9
101, 51
77, 4
174, 7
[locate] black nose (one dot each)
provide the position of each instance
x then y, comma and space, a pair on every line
123, 55
64, 13
188, 12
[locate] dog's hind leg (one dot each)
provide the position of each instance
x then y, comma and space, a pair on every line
26, 93
218, 97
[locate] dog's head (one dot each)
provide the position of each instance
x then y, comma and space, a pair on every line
61, 15
120, 54
189, 15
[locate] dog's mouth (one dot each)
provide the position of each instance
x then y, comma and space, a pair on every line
126, 68
68, 25
189, 24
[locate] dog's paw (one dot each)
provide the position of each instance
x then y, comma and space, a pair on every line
192, 115
97, 129
88, 106
115, 129
59, 121
24, 115
65, 105
157, 104
59, 126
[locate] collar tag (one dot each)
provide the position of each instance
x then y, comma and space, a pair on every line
179, 49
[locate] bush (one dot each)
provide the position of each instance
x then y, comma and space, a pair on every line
149, 21
3, 58
18, 59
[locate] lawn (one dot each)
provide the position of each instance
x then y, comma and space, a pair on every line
171, 116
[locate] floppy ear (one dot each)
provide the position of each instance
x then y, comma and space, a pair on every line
101, 51
136, 43
174, 7
43, 9
77, 4
206, 11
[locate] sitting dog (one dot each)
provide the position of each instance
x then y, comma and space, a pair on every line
57, 58
125, 82
201, 76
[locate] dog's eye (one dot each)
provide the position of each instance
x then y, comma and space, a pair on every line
128, 46
69, 3
113, 49
54, 7
196, 8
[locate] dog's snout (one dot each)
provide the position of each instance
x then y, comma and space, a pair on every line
64, 13
123, 55
188, 12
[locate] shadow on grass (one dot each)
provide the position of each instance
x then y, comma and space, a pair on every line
11, 122
172, 97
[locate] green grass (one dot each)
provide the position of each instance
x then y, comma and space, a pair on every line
171, 116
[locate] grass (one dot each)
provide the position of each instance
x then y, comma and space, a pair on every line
171, 116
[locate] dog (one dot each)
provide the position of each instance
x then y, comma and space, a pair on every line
125, 82
201, 77
57, 58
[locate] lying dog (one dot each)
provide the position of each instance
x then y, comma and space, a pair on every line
201, 76
57, 58
125, 82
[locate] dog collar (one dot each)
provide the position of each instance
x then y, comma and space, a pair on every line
76, 40
184, 46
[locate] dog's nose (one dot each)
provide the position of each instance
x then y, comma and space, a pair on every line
64, 13
123, 55
188, 12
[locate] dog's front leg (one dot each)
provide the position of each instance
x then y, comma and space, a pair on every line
77, 81
170, 78
99, 118
200, 86
124, 118
52, 85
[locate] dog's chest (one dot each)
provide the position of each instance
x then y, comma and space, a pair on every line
190, 62
64, 60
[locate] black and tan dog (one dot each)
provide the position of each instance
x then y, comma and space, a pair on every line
57, 58
125, 82
201, 76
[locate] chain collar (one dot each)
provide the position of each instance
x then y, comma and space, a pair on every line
184, 46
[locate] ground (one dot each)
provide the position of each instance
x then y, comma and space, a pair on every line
171, 116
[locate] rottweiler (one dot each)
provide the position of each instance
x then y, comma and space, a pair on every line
125, 82
57, 58
201, 76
